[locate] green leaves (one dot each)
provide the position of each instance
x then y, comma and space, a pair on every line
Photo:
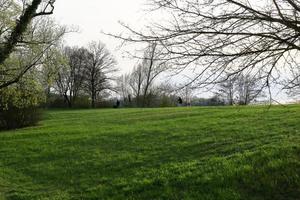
26, 93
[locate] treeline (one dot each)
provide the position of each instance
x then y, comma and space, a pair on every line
142, 87
38, 71
87, 78
79, 77
65, 77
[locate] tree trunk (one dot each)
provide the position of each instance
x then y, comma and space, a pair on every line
93, 100
93, 91
68, 100
19, 30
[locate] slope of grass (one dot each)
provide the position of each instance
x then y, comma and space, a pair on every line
175, 153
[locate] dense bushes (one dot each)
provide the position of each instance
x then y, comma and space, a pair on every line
19, 117
19, 104
57, 101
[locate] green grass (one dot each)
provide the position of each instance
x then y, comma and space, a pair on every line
223, 153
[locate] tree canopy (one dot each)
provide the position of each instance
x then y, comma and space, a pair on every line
19, 32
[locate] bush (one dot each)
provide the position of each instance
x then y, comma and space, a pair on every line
54, 101
19, 104
13, 117
82, 102
109, 103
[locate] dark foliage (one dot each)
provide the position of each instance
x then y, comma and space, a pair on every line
13, 118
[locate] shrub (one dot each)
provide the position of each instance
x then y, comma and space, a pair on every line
82, 102
19, 104
13, 117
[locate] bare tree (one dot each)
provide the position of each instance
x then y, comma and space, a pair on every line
136, 80
216, 36
248, 89
124, 89
146, 72
185, 94
70, 76
152, 68
98, 71
226, 89
292, 82
240, 89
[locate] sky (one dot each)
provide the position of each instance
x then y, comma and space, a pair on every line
92, 17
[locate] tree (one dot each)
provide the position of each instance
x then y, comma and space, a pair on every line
240, 89
248, 89
226, 90
14, 28
99, 69
54, 59
123, 88
217, 36
22, 24
143, 76
136, 79
292, 82
70, 76
19, 102
152, 68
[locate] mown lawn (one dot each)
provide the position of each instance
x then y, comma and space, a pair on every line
223, 153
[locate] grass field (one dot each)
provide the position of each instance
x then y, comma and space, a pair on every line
174, 153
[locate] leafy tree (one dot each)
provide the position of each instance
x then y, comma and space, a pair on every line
19, 103
54, 59
22, 23
19, 32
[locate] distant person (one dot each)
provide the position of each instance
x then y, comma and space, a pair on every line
179, 101
117, 105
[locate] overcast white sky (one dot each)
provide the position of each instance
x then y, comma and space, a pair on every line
94, 16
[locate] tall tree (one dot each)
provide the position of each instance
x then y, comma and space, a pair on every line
144, 75
14, 27
99, 70
136, 79
22, 24
70, 76
54, 59
124, 89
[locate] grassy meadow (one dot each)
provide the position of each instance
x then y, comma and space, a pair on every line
217, 153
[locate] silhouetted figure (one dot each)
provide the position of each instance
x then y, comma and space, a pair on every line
129, 98
117, 105
179, 101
